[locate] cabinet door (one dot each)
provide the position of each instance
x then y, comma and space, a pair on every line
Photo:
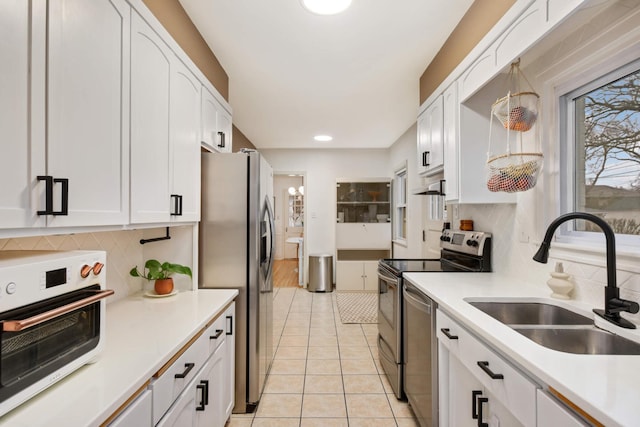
225, 130
228, 395
209, 109
468, 399
87, 109
436, 148
423, 142
450, 141
209, 403
349, 276
137, 414
17, 174
183, 411
370, 275
430, 139
150, 76
184, 116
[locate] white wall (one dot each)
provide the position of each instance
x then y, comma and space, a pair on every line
402, 152
611, 37
322, 168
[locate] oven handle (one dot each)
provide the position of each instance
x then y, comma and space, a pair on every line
386, 277
18, 325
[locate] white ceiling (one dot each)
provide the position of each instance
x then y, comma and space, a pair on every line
355, 76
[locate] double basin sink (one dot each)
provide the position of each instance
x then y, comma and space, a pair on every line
557, 328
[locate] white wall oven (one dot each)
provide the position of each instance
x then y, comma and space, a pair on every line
52, 318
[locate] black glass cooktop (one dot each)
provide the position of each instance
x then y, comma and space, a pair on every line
412, 265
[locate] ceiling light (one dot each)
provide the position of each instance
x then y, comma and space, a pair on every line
326, 7
323, 138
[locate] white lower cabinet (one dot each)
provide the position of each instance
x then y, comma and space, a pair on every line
553, 413
478, 387
357, 275
137, 414
196, 389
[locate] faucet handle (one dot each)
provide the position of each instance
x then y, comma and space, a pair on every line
616, 305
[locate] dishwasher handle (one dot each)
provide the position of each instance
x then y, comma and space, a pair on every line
418, 298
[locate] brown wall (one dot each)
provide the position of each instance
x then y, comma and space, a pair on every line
240, 141
176, 21
474, 25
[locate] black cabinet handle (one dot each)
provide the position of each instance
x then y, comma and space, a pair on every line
222, 139
485, 367
177, 204
64, 198
474, 403
230, 331
481, 401
447, 334
425, 158
217, 335
202, 388
48, 194
188, 368
206, 391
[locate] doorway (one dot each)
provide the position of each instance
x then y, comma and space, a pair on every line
289, 206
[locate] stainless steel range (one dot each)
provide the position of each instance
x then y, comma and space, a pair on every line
460, 251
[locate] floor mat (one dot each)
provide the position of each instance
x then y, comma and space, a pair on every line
357, 307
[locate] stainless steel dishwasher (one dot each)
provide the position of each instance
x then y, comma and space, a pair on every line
420, 355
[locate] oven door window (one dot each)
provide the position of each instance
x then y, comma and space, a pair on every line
388, 297
37, 351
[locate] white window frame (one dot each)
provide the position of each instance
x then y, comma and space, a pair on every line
568, 155
400, 196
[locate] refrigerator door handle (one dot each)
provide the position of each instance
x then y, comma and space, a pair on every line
271, 242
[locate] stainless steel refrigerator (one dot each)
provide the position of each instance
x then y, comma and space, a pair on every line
236, 252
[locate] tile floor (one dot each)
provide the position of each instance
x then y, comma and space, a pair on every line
325, 373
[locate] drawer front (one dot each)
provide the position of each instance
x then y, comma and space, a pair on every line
216, 334
168, 386
448, 332
516, 391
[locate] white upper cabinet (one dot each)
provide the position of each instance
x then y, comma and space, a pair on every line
16, 207
430, 139
184, 124
165, 124
216, 124
451, 108
150, 77
77, 97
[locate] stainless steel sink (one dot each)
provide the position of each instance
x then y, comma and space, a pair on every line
581, 340
531, 313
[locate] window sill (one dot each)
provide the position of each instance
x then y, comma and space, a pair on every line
627, 258
400, 242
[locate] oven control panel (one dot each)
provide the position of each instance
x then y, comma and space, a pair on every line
31, 276
469, 242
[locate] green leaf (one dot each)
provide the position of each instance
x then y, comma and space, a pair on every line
134, 272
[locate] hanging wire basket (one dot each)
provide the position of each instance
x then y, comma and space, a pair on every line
517, 112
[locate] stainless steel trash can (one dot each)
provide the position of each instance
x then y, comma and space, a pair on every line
320, 273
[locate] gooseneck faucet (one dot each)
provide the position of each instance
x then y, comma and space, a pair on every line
613, 304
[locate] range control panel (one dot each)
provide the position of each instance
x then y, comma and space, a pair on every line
468, 242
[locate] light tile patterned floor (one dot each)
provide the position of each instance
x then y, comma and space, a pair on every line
325, 373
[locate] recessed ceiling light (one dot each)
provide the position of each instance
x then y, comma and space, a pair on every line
326, 7
323, 138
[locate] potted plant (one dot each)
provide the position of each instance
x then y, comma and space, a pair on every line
161, 273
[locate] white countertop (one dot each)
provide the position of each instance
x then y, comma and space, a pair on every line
607, 387
142, 335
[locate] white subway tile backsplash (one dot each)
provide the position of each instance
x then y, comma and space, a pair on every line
123, 252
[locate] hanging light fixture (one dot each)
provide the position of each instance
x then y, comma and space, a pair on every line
326, 7
301, 189
292, 191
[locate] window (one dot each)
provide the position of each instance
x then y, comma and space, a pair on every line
400, 204
603, 154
